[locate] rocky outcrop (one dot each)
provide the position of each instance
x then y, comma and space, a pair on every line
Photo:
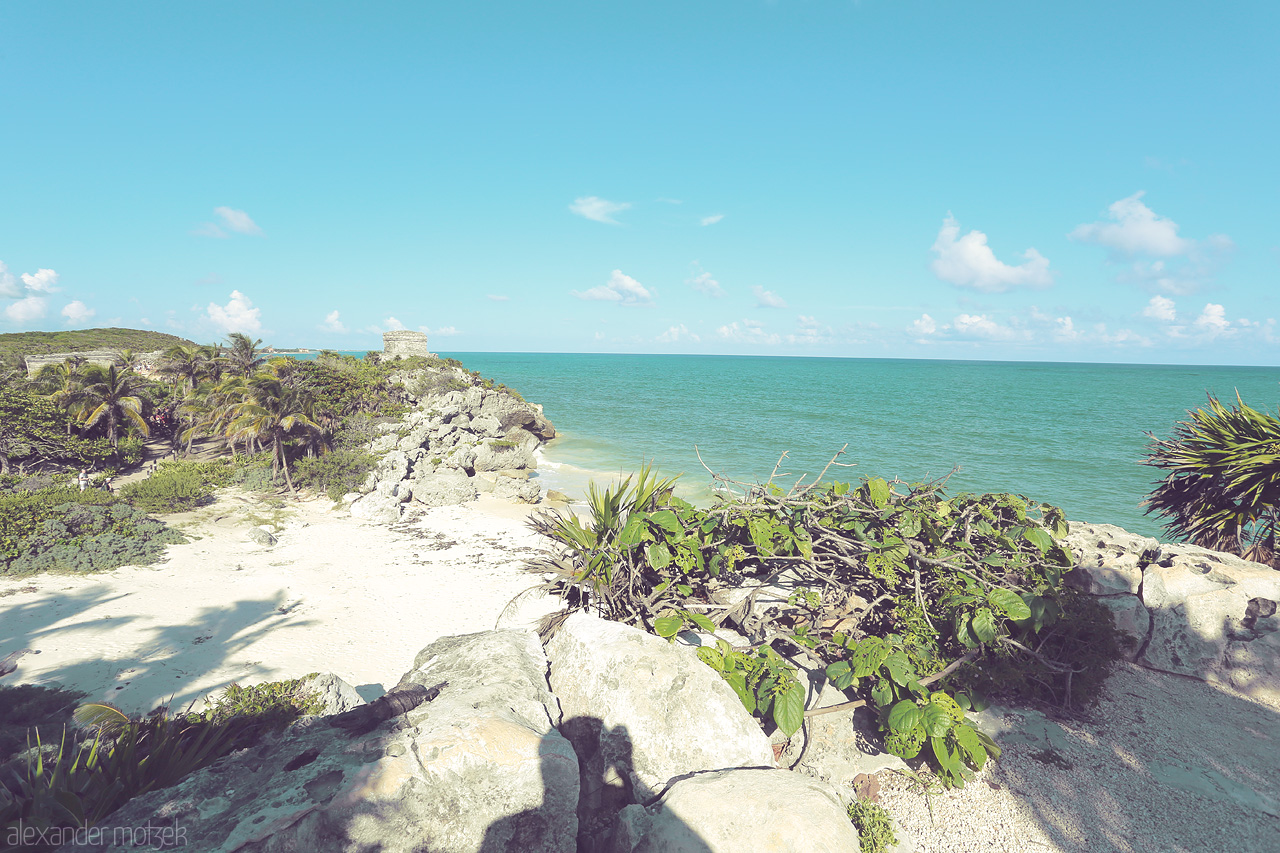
1190, 611
494, 761
452, 446
480, 768
768, 810
642, 712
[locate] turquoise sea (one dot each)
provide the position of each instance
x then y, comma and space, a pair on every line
1068, 434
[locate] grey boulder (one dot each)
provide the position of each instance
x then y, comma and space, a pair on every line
738, 810
443, 490
641, 712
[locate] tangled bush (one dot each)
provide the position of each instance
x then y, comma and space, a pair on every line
64, 529
335, 473
177, 486
915, 603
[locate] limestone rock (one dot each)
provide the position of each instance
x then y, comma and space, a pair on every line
738, 810
1132, 618
510, 412
393, 467
443, 490
500, 455
1109, 559
337, 695
840, 746
479, 768
645, 710
487, 426
262, 536
519, 489
377, 508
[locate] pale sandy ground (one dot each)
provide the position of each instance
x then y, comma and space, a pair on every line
334, 595
1165, 764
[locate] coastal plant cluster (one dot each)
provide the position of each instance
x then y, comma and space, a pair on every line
46, 527
62, 776
917, 605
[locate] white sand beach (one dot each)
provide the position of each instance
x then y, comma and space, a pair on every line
335, 594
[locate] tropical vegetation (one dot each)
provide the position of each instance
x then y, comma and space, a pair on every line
1221, 488
917, 604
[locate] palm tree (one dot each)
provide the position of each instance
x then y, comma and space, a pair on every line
242, 353
269, 412
63, 384
109, 394
182, 364
1222, 489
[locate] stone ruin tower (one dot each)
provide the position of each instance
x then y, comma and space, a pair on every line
405, 343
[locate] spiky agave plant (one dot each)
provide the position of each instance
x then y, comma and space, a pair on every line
1222, 489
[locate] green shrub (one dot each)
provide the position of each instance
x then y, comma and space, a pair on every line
271, 705
168, 490
64, 529
335, 473
916, 602
255, 476
875, 827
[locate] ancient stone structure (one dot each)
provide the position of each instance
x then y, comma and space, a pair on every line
103, 358
405, 343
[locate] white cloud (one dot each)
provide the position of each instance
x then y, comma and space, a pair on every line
1066, 330
599, 336
982, 326
712, 219
77, 313
926, 325
9, 288
44, 281
494, 297
441, 332
238, 315
619, 288
1160, 308
809, 331
1213, 320
969, 262
704, 283
393, 325
1135, 229
677, 333
333, 323
238, 221
26, 309
750, 331
767, 298
598, 209
234, 220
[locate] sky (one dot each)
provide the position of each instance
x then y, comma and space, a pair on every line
1095, 181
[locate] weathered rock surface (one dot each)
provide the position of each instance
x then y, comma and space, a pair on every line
479, 769
381, 509
838, 746
336, 695
1195, 612
738, 810
262, 536
641, 712
443, 489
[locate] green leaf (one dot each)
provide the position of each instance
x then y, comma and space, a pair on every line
867, 656
878, 491
840, 674
659, 556
737, 679
983, 626
1010, 603
975, 754
668, 521
788, 709
882, 693
1039, 537
668, 626
937, 722
946, 758
904, 716
962, 699
631, 534
684, 589
701, 621
900, 668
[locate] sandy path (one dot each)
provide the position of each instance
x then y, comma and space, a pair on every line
334, 594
